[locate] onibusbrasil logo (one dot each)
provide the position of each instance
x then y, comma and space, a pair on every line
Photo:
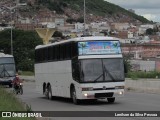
21, 114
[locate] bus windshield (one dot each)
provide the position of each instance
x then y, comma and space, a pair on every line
7, 70
6, 60
102, 70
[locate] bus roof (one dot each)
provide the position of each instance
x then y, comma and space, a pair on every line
5, 55
90, 38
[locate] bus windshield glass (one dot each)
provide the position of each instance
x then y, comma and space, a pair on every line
7, 67
102, 70
5, 60
7, 70
99, 47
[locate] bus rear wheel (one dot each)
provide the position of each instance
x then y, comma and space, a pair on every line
10, 85
49, 94
74, 97
111, 100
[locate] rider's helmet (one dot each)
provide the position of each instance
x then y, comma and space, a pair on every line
17, 76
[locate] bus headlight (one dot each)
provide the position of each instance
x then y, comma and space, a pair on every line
87, 89
85, 94
121, 93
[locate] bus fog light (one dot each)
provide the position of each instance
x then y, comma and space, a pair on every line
85, 94
121, 93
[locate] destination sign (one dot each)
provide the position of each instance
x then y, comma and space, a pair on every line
99, 47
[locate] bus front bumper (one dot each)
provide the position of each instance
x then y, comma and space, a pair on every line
101, 94
5, 82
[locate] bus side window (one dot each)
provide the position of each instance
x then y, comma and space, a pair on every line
74, 50
67, 51
75, 71
57, 52
43, 54
49, 53
60, 52
53, 53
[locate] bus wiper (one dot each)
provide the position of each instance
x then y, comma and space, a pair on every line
98, 77
109, 73
4, 72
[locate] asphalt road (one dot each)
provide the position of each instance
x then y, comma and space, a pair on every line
130, 102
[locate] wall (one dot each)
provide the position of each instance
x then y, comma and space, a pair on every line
143, 85
144, 65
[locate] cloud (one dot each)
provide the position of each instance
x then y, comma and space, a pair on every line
137, 4
147, 8
149, 16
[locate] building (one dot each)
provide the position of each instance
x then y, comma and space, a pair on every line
143, 28
59, 22
120, 26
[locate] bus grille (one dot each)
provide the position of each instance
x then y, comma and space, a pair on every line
103, 95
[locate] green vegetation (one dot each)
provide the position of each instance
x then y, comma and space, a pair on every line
71, 20
135, 75
151, 31
96, 7
26, 73
57, 34
24, 43
8, 102
141, 74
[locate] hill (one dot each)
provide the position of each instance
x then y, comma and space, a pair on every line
94, 8
72, 10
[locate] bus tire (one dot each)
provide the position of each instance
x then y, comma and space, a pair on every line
44, 88
111, 100
49, 95
10, 85
74, 97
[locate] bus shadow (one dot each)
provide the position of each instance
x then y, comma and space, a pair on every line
82, 102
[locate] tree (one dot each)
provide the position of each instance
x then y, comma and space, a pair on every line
81, 20
149, 31
57, 34
70, 20
24, 43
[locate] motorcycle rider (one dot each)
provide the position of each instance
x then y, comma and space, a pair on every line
16, 82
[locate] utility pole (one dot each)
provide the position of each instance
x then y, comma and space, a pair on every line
84, 17
11, 41
11, 34
11, 8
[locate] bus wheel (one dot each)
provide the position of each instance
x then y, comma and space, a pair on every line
74, 97
10, 85
111, 100
49, 96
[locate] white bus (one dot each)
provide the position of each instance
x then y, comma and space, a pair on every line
7, 69
80, 68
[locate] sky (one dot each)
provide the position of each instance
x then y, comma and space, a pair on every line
150, 9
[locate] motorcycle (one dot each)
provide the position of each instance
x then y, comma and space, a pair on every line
18, 89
